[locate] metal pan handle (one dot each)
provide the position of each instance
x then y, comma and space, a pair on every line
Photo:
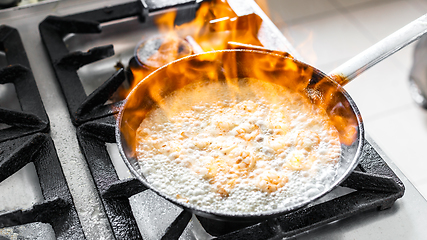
381, 50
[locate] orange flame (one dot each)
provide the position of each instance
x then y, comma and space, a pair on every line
232, 66
217, 27
214, 27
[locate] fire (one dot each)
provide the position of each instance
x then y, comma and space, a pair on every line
217, 27
214, 28
231, 66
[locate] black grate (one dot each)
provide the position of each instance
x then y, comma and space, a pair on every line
53, 29
25, 141
377, 187
57, 209
33, 117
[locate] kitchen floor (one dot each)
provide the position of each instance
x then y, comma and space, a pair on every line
326, 33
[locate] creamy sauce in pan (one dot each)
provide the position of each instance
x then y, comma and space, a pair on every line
247, 148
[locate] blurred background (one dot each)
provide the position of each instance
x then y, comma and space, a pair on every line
326, 33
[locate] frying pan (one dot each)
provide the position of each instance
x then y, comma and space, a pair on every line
322, 89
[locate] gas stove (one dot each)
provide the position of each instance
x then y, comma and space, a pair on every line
83, 189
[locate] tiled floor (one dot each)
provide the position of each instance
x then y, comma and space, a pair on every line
328, 32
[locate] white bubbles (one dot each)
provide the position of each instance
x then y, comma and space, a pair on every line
215, 153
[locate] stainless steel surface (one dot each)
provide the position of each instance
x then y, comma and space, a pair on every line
383, 49
405, 220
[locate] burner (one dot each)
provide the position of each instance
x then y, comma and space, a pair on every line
153, 53
160, 50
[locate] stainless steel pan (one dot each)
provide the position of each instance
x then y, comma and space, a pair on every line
322, 89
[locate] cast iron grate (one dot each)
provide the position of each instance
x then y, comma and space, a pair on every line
33, 117
377, 187
57, 209
53, 29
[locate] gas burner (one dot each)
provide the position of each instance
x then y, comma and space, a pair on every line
160, 50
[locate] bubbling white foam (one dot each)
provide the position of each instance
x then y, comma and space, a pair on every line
251, 148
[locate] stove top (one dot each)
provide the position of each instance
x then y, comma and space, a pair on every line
84, 50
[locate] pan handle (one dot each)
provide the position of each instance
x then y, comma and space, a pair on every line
381, 50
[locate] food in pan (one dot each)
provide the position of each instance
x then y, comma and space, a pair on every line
242, 146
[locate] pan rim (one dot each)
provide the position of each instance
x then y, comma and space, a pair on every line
243, 216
